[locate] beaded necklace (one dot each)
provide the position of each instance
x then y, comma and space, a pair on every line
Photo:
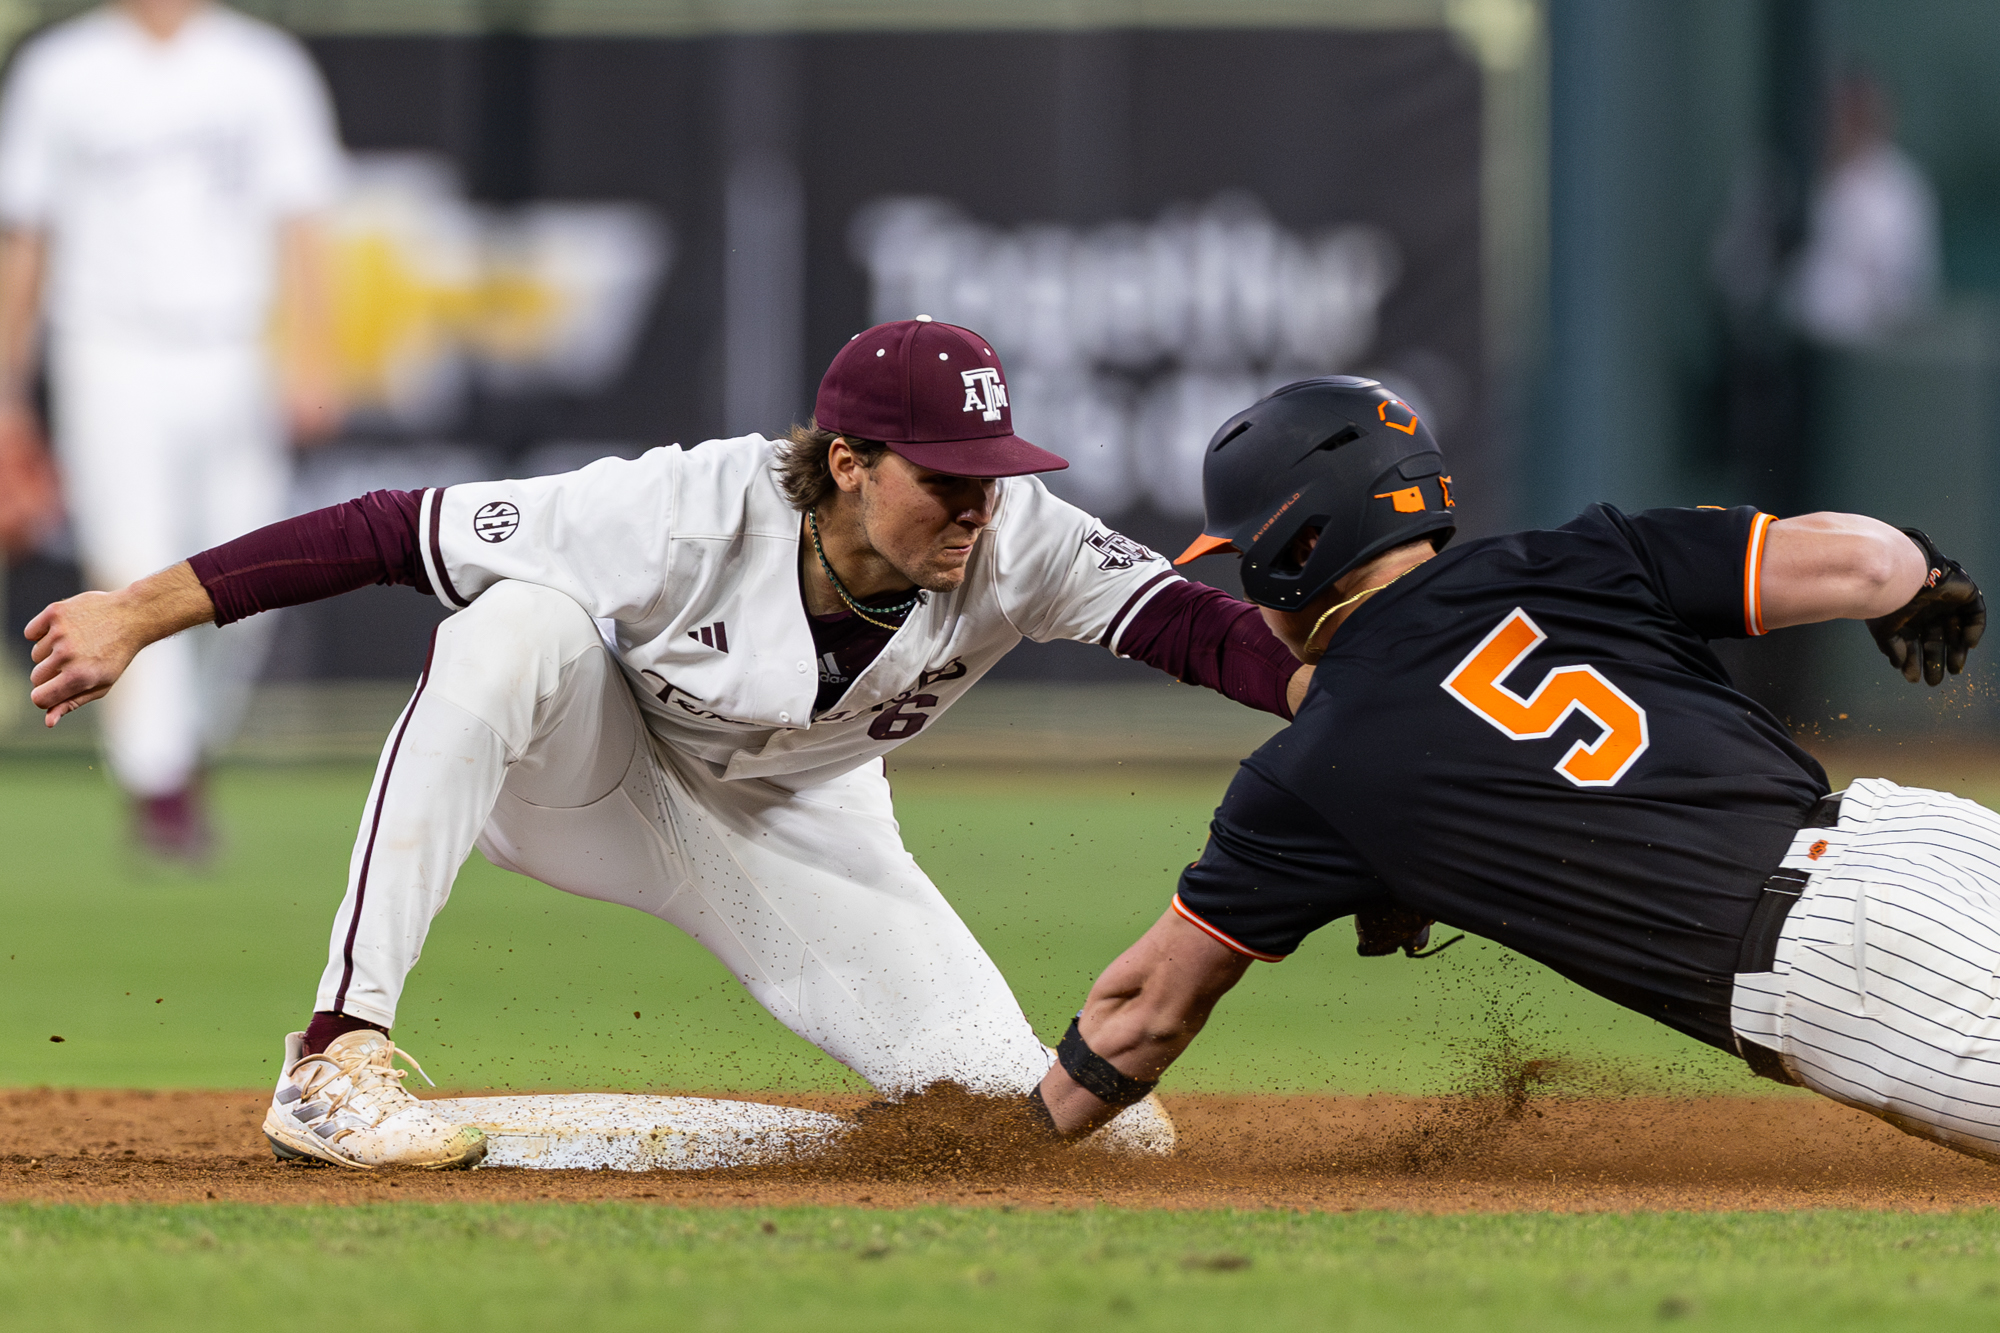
901, 608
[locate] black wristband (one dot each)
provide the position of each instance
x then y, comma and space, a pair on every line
1938, 565
1097, 1075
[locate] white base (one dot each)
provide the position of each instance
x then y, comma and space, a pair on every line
602, 1131
1143, 1129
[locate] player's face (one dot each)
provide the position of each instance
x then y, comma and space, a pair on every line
924, 523
1292, 627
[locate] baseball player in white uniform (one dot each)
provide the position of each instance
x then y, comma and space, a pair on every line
160, 162
671, 683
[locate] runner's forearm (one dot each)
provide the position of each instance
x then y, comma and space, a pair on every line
1143, 1012
1836, 567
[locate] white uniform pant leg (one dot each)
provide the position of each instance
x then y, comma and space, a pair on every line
524, 735
518, 688
808, 897
166, 451
1883, 995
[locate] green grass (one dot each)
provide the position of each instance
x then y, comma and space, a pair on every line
619, 1266
169, 980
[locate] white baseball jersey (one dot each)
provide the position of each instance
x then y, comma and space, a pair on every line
689, 560
160, 169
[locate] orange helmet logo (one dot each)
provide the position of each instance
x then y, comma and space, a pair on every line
1409, 500
1408, 425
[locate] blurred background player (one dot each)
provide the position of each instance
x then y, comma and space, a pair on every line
161, 163
1869, 266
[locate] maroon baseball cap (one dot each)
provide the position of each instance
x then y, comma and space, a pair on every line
932, 392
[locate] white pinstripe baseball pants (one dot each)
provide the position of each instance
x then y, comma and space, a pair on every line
1884, 993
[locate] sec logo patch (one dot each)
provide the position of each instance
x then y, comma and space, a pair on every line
496, 522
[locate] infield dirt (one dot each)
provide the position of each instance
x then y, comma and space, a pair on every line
1321, 1153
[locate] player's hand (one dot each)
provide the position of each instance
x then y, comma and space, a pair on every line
82, 647
1933, 631
84, 644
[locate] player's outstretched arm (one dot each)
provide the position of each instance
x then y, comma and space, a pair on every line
1836, 567
1142, 1013
84, 644
1924, 610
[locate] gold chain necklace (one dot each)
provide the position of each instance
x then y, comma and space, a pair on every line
902, 608
1314, 631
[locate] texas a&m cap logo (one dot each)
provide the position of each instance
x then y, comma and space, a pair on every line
934, 393
985, 393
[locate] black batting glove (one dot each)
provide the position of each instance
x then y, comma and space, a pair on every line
1934, 630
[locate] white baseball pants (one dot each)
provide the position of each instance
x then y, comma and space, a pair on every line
524, 738
1885, 993
166, 451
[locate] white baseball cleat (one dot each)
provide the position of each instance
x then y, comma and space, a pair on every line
347, 1106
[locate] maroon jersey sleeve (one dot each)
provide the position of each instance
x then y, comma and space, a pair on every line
372, 539
1203, 636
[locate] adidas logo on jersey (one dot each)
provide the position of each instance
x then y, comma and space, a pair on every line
712, 636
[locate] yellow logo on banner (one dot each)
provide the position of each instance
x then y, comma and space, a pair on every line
428, 289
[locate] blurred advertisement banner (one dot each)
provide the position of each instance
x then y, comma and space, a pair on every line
562, 246
430, 292
1128, 342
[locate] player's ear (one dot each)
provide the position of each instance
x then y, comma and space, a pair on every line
844, 465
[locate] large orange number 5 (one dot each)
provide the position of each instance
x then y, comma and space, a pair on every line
1571, 689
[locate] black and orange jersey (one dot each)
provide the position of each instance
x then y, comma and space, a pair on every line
1529, 738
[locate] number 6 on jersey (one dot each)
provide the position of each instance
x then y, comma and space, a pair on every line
1475, 682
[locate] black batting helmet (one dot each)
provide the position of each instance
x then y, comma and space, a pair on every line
1340, 454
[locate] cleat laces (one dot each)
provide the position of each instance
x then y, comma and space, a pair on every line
375, 1088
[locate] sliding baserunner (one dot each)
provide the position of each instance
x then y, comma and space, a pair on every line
670, 683
1528, 737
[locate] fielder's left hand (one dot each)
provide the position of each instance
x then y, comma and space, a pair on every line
84, 643
1934, 630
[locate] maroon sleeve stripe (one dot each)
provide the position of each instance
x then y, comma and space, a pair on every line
440, 576
1202, 636
1111, 632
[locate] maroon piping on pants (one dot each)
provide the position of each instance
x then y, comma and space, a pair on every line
374, 827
